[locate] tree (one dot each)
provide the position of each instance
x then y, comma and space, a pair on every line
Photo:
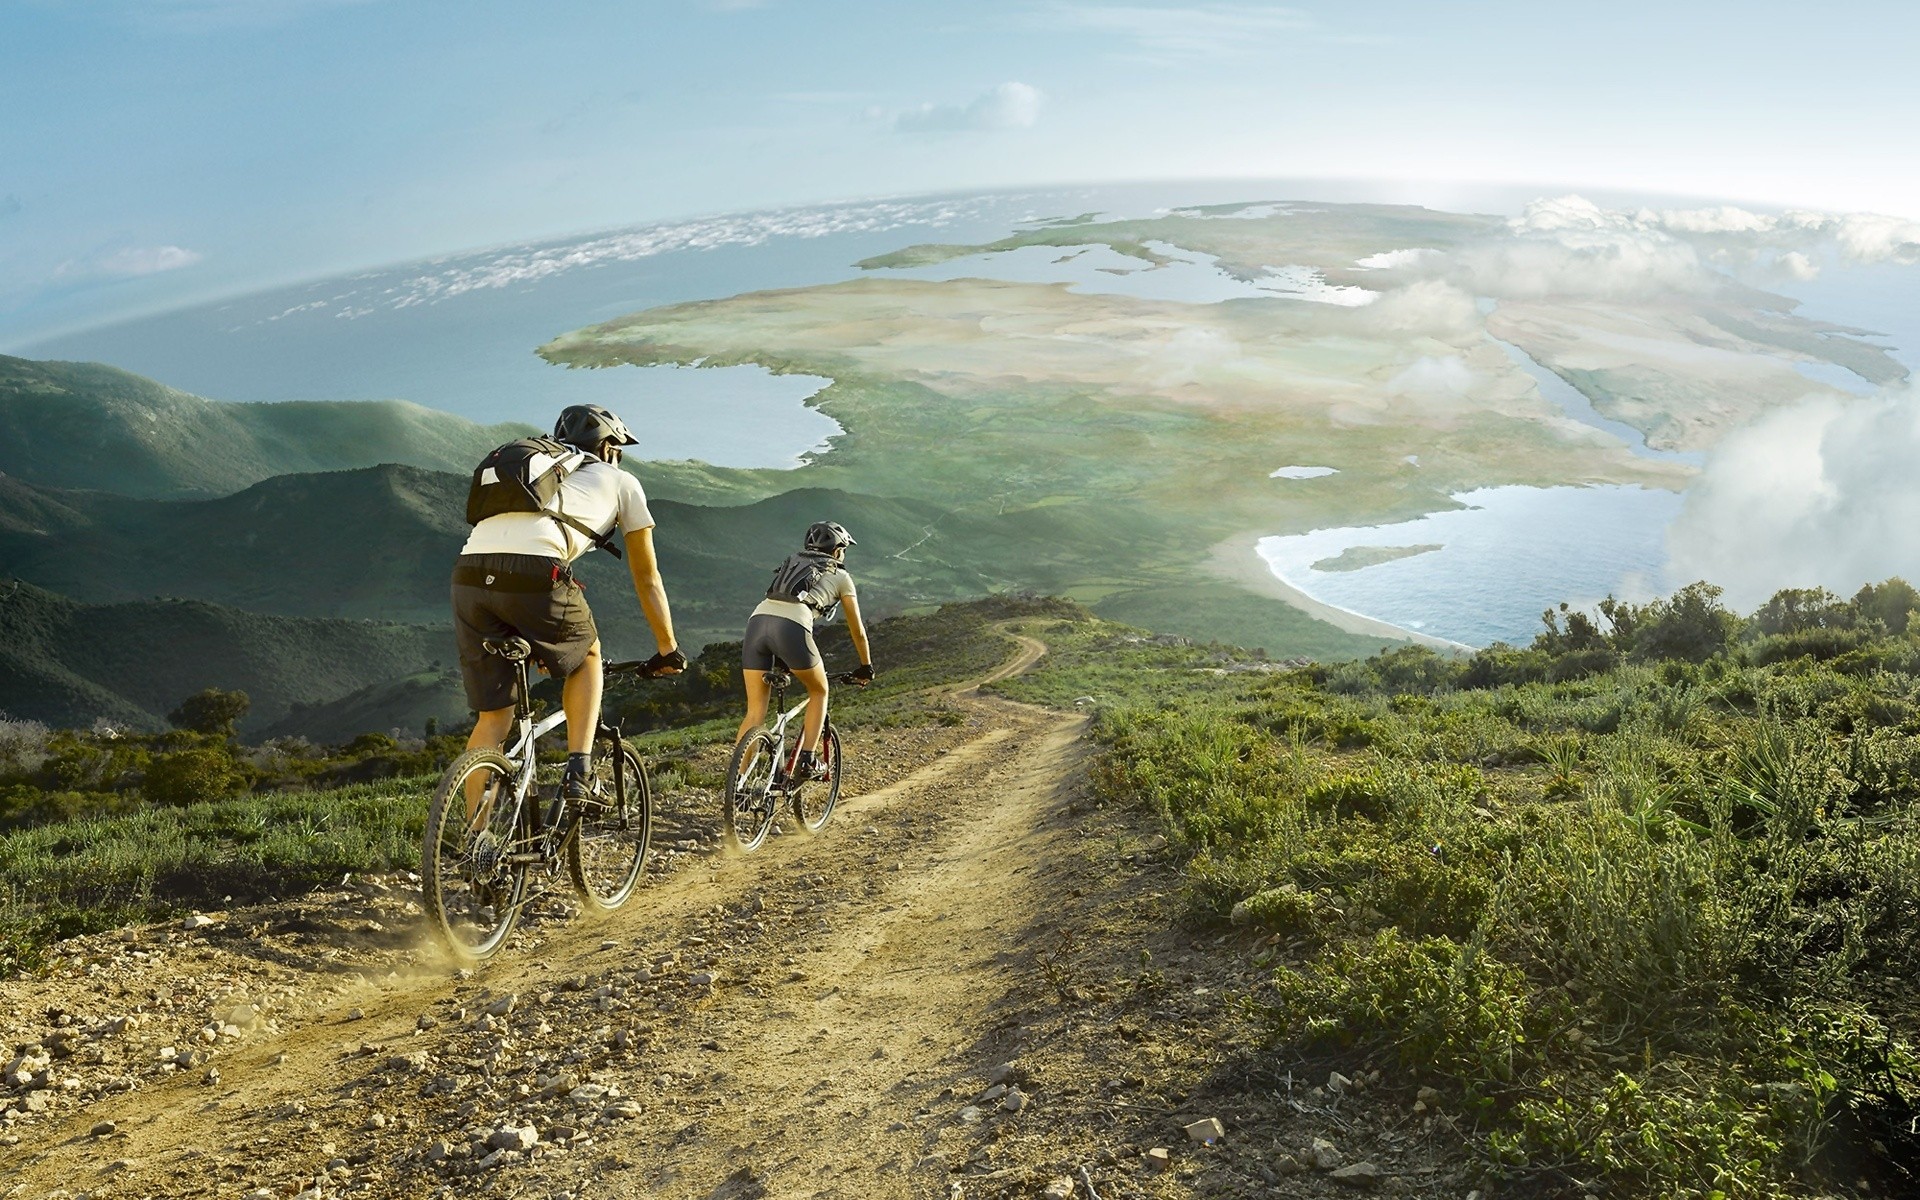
211, 712
1795, 610
1691, 625
1891, 603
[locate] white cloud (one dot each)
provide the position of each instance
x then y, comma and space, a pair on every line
1569, 246
1428, 306
1011, 105
1821, 494
1433, 378
126, 262
1871, 237
1797, 266
1176, 32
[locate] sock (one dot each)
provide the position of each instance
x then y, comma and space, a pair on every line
580, 765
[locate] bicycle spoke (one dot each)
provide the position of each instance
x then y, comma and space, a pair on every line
748, 808
607, 845
472, 891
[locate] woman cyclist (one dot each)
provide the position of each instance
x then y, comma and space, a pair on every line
780, 632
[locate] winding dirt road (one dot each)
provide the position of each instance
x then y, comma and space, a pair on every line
780, 1024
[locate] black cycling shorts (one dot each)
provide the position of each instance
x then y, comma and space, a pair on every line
769, 638
498, 595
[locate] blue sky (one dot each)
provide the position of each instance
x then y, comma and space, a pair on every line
155, 151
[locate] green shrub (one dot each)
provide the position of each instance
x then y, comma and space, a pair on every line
1444, 1010
191, 776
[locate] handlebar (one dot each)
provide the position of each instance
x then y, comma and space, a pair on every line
634, 666
780, 677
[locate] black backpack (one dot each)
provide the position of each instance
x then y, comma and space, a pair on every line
796, 579
524, 476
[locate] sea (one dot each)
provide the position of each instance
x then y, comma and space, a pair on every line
458, 333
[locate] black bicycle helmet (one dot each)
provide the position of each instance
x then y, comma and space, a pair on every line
828, 536
588, 425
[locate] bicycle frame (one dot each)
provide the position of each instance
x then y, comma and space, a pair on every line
782, 720
520, 748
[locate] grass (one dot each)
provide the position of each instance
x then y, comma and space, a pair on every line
1642, 903
97, 873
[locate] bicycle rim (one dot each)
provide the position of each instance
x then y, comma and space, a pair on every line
747, 811
813, 801
607, 847
471, 892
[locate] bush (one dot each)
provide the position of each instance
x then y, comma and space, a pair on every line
1444, 1010
191, 776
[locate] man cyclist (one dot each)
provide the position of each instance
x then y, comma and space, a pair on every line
806, 585
515, 576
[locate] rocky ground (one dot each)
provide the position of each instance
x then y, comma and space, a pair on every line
971, 984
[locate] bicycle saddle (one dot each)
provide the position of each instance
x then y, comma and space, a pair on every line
512, 649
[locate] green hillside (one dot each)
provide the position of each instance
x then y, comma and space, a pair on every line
66, 663
94, 426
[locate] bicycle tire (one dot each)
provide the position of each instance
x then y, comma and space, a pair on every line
813, 801
472, 895
747, 808
607, 844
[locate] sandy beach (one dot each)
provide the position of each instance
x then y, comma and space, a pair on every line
1237, 560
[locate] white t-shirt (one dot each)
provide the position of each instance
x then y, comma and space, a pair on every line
598, 495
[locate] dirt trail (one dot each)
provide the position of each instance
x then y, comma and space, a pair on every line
975, 983
785, 1015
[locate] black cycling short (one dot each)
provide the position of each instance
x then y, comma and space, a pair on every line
499, 595
769, 638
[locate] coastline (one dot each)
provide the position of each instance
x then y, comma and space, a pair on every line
1237, 561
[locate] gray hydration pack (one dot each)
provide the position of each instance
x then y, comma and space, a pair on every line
524, 476
806, 578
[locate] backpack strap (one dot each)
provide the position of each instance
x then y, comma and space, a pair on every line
603, 540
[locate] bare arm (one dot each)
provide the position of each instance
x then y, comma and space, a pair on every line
856, 628
648, 586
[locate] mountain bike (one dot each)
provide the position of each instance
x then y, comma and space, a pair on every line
761, 773
498, 819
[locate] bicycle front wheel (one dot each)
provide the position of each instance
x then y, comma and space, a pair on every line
607, 847
471, 888
814, 799
748, 810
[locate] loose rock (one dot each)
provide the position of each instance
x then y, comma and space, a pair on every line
1360, 1174
1207, 1129
1324, 1155
524, 1137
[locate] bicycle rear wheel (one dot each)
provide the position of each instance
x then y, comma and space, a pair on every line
472, 892
813, 800
748, 810
607, 846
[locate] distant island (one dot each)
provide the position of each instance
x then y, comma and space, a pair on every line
1358, 558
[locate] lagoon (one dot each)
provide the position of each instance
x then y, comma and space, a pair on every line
1504, 557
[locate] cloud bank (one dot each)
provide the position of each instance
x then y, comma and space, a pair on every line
126, 262
1012, 105
1821, 494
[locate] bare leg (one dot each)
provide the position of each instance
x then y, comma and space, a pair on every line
815, 679
580, 700
490, 729
756, 684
